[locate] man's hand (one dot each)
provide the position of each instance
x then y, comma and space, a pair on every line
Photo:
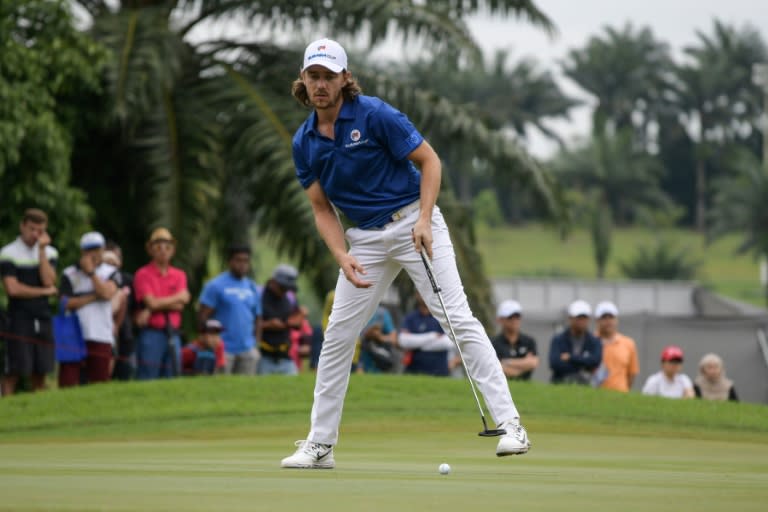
373, 332
565, 356
422, 236
142, 317
49, 291
87, 264
44, 240
351, 268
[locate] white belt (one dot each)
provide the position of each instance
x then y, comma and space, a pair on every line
406, 210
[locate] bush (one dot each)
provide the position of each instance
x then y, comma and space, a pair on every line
664, 260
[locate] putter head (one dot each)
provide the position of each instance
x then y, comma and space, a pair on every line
493, 432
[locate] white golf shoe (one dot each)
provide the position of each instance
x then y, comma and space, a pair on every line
515, 441
310, 455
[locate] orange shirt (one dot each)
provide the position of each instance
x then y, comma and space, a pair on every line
620, 359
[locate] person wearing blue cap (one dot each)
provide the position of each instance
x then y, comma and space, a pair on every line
87, 287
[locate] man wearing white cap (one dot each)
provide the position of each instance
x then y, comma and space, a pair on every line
359, 155
87, 287
575, 353
620, 361
516, 351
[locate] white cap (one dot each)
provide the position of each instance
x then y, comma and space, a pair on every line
578, 308
508, 308
606, 308
327, 53
92, 240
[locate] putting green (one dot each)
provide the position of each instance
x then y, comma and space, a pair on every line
394, 470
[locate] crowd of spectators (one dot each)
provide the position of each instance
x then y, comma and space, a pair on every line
130, 327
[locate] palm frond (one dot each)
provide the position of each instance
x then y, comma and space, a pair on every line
443, 119
149, 60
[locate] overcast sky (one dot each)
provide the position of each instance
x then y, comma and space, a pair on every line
672, 21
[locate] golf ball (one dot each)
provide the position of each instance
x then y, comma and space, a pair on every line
444, 469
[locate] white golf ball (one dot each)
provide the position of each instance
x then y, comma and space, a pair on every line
444, 469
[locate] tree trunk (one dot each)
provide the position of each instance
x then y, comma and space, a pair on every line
701, 195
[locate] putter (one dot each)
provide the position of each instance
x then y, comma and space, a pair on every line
493, 432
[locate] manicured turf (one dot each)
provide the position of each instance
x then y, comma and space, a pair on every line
215, 444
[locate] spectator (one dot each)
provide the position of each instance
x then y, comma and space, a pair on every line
670, 382
575, 353
123, 304
234, 299
28, 270
428, 346
711, 382
516, 351
205, 355
88, 287
301, 339
377, 345
279, 315
620, 365
161, 294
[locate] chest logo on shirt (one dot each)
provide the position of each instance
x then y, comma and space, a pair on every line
357, 140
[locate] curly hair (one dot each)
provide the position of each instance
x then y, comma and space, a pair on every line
299, 91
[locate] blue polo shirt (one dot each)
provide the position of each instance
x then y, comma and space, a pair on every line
364, 171
236, 304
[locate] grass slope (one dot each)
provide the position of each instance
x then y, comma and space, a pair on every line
215, 444
537, 251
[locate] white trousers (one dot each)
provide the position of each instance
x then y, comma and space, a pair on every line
383, 253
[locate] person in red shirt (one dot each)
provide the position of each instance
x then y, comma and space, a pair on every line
161, 294
205, 355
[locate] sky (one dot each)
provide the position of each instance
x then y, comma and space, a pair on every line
672, 21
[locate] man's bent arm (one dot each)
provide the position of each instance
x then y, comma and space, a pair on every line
332, 232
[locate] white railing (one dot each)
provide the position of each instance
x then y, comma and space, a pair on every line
762, 342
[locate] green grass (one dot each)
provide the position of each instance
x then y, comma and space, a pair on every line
215, 444
537, 251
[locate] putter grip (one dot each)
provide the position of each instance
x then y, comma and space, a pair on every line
430, 272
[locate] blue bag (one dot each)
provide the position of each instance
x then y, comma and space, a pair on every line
68, 336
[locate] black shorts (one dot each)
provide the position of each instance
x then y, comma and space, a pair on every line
28, 345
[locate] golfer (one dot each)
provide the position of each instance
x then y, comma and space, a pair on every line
357, 153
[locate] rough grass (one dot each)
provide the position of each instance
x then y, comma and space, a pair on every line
232, 404
538, 251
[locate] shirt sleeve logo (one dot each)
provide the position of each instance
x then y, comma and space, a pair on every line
355, 135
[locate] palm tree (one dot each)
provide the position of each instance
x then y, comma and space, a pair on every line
741, 205
628, 72
197, 135
719, 106
617, 183
518, 98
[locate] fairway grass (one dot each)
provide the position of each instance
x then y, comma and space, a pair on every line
215, 444
396, 471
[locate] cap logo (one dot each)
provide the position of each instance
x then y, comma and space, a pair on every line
355, 135
321, 48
